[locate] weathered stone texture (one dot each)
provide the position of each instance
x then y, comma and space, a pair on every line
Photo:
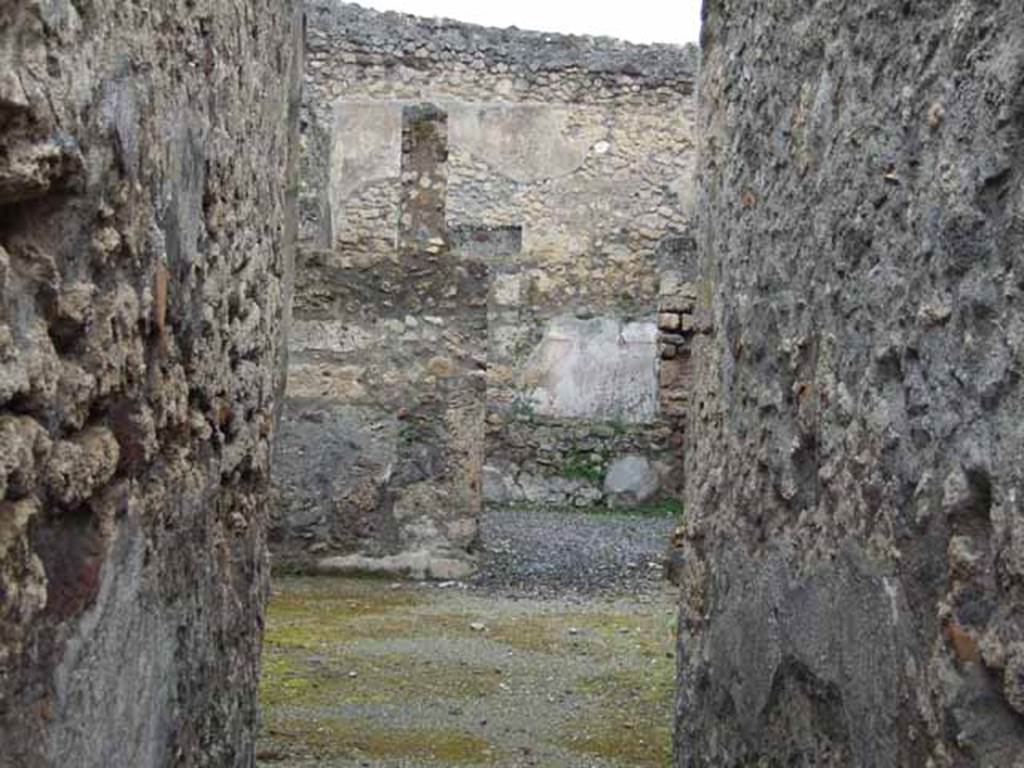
677, 323
379, 466
854, 584
145, 160
567, 163
401, 56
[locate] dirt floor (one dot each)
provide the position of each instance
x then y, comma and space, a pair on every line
371, 673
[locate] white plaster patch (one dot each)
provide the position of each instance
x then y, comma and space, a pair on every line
366, 146
522, 142
595, 369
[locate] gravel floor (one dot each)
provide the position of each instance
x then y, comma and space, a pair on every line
562, 554
366, 674
559, 654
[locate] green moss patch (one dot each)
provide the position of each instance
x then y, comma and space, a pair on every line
632, 721
594, 679
604, 635
339, 599
291, 679
589, 467
637, 747
332, 738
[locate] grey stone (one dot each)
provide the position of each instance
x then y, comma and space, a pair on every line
529, 55
499, 484
332, 466
631, 480
855, 449
148, 157
549, 490
419, 565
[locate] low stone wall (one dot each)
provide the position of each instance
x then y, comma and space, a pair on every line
565, 464
146, 156
516, 272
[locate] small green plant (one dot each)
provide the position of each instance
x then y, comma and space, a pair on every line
413, 432
523, 408
664, 507
409, 433
619, 426
582, 466
521, 350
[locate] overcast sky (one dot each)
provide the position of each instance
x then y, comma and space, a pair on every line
641, 21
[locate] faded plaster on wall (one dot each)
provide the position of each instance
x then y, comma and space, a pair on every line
366, 140
522, 142
597, 369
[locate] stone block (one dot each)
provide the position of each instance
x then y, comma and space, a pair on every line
631, 480
668, 321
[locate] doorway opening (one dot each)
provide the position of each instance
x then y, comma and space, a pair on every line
489, 362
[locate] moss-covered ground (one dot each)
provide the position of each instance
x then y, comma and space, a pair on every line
364, 673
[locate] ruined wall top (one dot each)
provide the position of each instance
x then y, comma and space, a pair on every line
507, 64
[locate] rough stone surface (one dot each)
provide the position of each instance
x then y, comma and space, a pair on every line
552, 463
854, 566
630, 480
677, 323
382, 452
449, 56
145, 160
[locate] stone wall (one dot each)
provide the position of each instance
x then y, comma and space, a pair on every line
855, 537
531, 284
145, 156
